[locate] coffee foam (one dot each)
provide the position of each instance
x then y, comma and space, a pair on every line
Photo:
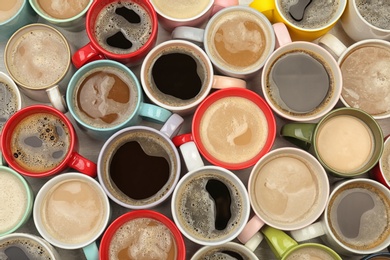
13, 197
142, 239
108, 23
310, 253
39, 58
8, 103
181, 9
40, 142
366, 79
375, 12
196, 209
31, 248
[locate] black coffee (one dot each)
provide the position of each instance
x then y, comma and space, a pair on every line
8, 103
136, 173
221, 196
176, 74
23, 249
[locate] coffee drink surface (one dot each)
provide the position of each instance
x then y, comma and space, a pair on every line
143, 238
224, 252
375, 12
123, 27
310, 253
40, 142
22, 248
182, 9
9, 8
233, 129
238, 41
13, 197
8, 103
317, 14
105, 97
359, 216
73, 211
344, 143
366, 79
63, 9
385, 162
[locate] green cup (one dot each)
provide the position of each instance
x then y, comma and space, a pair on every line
286, 248
347, 141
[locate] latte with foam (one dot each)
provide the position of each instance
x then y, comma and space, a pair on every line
63, 9
182, 9
9, 8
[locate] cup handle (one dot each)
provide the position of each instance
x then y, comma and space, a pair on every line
250, 229
91, 251
254, 242
86, 54
56, 99
282, 35
188, 33
332, 44
278, 240
172, 126
83, 165
154, 113
189, 151
221, 82
2, 161
267, 7
312, 231
300, 134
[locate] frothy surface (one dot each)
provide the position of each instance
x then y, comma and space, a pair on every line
143, 239
26, 247
8, 103
375, 12
13, 197
366, 79
63, 9
39, 58
310, 253
181, 9
73, 211
9, 8
233, 129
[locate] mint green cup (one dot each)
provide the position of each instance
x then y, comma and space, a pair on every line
137, 109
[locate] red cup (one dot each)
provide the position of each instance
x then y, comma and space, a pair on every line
378, 172
94, 51
70, 158
136, 214
195, 136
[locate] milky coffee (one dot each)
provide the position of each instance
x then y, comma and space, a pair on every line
9, 8
73, 211
238, 40
182, 9
40, 142
310, 253
317, 14
105, 97
233, 129
359, 216
385, 161
9, 102
344, 143
366, 78
63, 9
38, 58
286, 189
143, 238
375, 12
18, 248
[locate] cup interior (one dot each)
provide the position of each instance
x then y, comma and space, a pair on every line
312, 249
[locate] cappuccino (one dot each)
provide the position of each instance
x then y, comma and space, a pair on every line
182, 9
143, 238
310, 253
17, 248
344, 143
375, 12
9, 8
233, 129
366, 78
63, 9
9, 102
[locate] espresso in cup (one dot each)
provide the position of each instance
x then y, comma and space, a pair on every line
377, 13
9, 8
105, 97
63, 9
10, 101
123, 27
227, 251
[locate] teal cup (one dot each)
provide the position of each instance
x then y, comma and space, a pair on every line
18, 13
105, 96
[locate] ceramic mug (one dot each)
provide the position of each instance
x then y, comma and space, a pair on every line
224, 251
381, 171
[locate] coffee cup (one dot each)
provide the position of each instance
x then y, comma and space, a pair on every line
71, 211
172, 14
142, 234
123, 31
10, 98
210, 204
286, 248
377, 256
40, 141
105, 96
356, 219
177, 75
17, 201
37, 57
347, 141
365, 83
26, 246
381, 171
232, 128
154, 161
288, 190
305, 21
69, 15
366, 20
305, 92
237, 39
13, 15
229, 250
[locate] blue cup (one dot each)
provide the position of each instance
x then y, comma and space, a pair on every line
98, 111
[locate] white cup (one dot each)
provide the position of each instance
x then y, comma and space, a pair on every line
224, 250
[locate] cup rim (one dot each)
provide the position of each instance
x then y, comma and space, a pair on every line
142, 213
23, 113
15, 15
234, 92
329, 250
380, 170
14, 87
364, 20
230, 243
43, 192
207, 9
